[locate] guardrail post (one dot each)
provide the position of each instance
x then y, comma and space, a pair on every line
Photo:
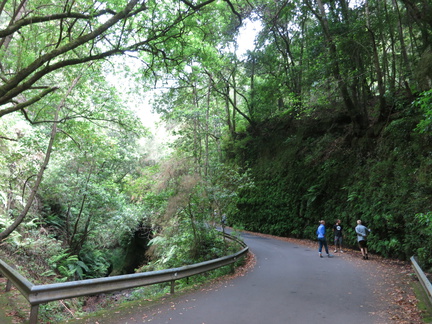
34, 310
172, 287
232, 266
8, 285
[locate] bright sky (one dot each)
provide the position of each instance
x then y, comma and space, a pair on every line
246, 38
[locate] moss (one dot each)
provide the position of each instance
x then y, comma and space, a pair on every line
13, 306
5, 309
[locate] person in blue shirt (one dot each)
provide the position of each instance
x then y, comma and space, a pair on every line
322, 241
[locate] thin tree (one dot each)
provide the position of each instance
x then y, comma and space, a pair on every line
42, 168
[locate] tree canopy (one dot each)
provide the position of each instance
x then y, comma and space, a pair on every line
50, 50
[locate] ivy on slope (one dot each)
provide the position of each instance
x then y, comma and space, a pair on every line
309, 171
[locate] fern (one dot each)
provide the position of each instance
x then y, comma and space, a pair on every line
67, 266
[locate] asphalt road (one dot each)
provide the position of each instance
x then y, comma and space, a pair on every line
289, 284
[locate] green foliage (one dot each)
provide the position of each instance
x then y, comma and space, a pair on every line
95, 262
184, 244
67, 266
384, 181
424, 103
419, 239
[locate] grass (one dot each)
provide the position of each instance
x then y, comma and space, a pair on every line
14, 307
424, 304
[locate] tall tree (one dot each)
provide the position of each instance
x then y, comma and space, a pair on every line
44, 38
359, 119
44, 43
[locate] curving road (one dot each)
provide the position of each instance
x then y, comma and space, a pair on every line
289, 284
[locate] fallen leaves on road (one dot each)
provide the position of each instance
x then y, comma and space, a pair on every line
392, 282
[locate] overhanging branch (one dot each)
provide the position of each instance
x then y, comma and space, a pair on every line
27, 103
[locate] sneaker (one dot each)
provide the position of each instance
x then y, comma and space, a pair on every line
335, 251
364, 258
320, 255
367, 258
341, 251
330, 256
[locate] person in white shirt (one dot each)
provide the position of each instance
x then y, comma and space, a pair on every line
362, 233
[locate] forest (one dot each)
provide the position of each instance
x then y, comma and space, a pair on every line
326, 115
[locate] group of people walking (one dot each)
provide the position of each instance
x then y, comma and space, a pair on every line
361, 231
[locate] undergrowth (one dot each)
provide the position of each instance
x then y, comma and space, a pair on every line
17, 308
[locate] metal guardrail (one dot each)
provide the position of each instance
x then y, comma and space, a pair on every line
422, 278
40, 294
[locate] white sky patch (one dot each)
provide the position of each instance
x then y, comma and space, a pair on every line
247, 35
355, 3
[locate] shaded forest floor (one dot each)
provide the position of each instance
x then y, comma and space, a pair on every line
402, 297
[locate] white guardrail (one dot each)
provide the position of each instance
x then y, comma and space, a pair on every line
422, 278
40, 294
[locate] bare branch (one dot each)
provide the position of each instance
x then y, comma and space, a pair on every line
34, 20
27, 103
8, 139
7, 92
196, 7
6, 232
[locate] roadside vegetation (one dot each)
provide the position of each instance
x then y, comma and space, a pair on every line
326, 115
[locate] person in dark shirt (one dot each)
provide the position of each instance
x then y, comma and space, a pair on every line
338, 235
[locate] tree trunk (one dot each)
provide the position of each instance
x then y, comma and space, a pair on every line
4, 42
383, 113
39, 177
358, 119
421, 14
44, 165
206, 135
